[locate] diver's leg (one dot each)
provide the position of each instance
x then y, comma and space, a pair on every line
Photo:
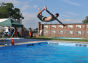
39, 11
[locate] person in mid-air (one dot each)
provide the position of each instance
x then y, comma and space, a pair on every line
50, 18
46, 19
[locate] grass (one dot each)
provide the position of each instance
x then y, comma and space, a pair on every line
50, 38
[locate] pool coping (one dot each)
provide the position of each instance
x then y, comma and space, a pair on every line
30, 42
68, 41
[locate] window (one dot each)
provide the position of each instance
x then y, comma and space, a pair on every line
87, 32
53, 26
86, 26
60, 26
70, 32
78, 26
60, 32
45, 26
70, 26
45, 31
78, 32
53, 31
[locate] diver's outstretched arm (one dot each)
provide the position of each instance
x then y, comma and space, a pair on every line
60, 21
49, 12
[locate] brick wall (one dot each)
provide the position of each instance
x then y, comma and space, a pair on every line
58, 30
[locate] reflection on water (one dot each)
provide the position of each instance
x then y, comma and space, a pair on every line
68, 44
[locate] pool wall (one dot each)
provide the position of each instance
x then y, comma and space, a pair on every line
68, 44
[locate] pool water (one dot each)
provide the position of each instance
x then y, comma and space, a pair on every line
43, 53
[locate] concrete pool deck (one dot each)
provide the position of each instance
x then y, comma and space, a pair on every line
19, 41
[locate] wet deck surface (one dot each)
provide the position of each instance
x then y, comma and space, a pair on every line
18, 41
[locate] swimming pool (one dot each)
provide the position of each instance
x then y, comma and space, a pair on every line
44, 53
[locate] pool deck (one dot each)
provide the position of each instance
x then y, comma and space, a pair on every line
68, 41
19, 41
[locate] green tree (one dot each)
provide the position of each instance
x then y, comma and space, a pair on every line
7, 10
4, 9
85, 20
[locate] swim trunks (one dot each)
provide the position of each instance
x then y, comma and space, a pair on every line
41, 17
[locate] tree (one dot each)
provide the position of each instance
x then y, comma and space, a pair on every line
15, 14
4, 9
7, 10
85, 20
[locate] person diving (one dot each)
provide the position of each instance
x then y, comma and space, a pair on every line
50, 18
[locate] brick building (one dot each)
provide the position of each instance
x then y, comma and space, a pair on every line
58, 30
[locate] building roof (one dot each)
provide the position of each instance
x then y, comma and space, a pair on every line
9, 22
66, 23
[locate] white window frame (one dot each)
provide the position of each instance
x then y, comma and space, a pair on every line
70, 26
86, 26
45, 26
86, 32
53, 31
53, 26
79, 32
70, 32
60, 26
60, 32
78, 26
46, 31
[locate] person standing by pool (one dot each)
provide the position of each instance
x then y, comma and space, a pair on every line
12, 31
30, 32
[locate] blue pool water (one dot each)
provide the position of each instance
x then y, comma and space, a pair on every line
43, 53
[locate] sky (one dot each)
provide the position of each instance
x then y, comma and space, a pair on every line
70, 11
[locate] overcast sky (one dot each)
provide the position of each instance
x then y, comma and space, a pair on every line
71, 11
